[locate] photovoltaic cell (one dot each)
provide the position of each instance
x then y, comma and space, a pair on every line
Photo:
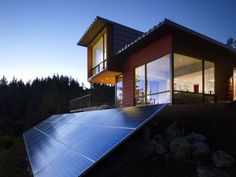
70, 144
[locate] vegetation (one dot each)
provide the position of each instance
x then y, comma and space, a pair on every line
231, 42
23, 105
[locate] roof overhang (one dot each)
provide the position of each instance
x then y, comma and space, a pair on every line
97, 25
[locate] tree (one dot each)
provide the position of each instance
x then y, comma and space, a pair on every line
231, 42
3, 81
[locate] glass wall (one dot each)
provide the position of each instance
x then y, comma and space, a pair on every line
158, 81
209, 74
140, 85
99, 54
152, 82
119, 91
234, 83
188, 80
187, 74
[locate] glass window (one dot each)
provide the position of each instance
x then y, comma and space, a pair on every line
158, 98
153, 82
99, 54
187, 74
158, 75
119, 91
209, 72
140, 81
234, 84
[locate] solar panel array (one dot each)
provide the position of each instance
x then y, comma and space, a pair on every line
70, 144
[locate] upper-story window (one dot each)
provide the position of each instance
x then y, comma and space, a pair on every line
99, 55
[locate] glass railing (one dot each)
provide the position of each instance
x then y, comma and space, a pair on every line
100, 67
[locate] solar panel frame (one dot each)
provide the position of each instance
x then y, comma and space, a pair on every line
109, 150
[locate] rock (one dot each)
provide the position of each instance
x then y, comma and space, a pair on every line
204, 171
173, 132
160, 148
162, 140
222, 159
193, 137
180, 148
200, 149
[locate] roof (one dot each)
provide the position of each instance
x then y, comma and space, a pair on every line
96, 26
163, 28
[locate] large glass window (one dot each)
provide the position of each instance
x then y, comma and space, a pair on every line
140, 85
99, 54
187, 74
119, 91
209, 80
152, 82
234, 83
158, 81
188, 80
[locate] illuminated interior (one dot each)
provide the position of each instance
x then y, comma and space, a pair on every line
119, 91
99, 55
152, 82
234, 81
187, 74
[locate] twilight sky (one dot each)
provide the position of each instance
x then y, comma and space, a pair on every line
38, 37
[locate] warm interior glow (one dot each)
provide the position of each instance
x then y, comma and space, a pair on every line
187, 74
104, 77
234, 82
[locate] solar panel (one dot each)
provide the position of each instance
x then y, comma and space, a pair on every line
70, 144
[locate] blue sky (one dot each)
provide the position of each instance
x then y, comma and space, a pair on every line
38, 37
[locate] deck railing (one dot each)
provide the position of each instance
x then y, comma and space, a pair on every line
100, 67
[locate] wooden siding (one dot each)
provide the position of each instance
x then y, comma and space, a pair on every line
149, 53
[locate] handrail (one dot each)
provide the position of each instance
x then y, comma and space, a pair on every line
99, 67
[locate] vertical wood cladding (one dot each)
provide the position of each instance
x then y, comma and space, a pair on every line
224, 61
149, 53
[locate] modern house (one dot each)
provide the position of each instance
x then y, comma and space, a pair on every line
167, 64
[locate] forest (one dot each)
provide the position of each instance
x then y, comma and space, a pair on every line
23, 105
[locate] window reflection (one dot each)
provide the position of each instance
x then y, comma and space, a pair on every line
119, 91
153, 82
99, 55
158, 75
140, 81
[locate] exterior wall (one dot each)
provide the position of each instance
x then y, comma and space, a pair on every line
149, 53
224, 62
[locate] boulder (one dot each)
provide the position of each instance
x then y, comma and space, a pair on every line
193, 137
204, 171
160, 148
200, 149
180, 148
173, 132
222, 159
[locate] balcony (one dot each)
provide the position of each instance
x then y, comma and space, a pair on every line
100, 67
101, 75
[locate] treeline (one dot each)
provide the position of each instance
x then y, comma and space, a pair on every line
23, 105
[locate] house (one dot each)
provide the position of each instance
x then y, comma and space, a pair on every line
167, 64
